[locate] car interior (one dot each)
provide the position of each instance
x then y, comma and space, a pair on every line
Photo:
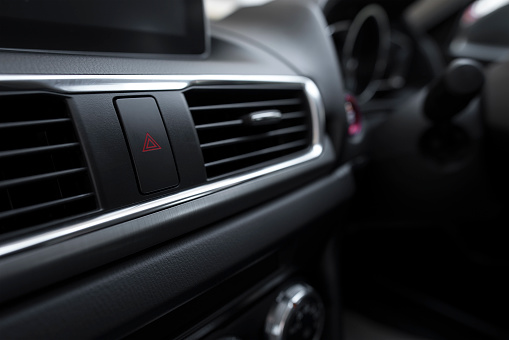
254, 169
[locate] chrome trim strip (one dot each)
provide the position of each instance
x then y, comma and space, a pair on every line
129, 83
79, 84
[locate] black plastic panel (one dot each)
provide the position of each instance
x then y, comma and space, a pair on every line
229, 55
150, 148
63, 260
110, 160
115, 300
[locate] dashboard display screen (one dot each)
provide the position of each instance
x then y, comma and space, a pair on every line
147, 27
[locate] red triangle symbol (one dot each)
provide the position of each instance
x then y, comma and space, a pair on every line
150, 144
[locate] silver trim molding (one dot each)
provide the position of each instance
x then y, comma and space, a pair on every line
129, 83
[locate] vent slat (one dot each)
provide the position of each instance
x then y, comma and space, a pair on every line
274, 149
231, 143
281, 102
269, 134
294, 115
31, 179
237, 122
41, 149
44, 177
220, 124
41, 206
13, 125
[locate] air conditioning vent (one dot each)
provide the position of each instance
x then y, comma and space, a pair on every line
43, 175
245, 127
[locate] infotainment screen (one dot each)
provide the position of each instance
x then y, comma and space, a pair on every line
126, 27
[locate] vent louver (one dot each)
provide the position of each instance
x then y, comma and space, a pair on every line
242, 128
43, 175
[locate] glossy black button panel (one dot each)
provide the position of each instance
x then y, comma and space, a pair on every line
149, 144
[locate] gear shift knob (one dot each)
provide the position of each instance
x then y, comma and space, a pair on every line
450, 94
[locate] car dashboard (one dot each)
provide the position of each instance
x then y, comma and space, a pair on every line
207, 192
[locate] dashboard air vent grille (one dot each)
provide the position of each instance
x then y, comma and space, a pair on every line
43, 175
242, 128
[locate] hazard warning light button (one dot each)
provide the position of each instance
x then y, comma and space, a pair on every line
149, 144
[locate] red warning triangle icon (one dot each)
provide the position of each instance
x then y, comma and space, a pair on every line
150, 144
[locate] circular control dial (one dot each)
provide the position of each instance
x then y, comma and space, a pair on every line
297, 314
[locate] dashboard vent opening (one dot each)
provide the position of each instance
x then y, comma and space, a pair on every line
243, 128
43, 174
